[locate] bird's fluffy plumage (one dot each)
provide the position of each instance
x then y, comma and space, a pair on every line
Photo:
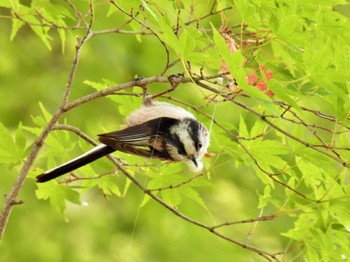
156, 130
153, 109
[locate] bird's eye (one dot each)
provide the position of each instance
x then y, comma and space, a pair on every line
200, 145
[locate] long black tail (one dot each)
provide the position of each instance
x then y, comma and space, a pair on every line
90, 156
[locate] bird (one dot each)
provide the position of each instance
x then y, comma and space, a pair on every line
156, 130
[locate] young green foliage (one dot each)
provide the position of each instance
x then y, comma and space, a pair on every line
284, 153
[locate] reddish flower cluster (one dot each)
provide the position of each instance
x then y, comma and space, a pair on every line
254, 78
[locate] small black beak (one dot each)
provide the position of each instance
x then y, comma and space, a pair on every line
194, 161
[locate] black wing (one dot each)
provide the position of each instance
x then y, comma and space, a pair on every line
149, 136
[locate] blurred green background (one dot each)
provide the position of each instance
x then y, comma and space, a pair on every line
113, 228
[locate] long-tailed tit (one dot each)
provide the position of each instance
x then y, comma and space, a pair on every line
156, 130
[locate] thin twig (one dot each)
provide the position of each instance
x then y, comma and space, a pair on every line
76, 58
151, 30
279, 129
250, 220
177, 185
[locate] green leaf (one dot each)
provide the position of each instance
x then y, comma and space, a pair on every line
57, 194
46, 114
195, 196
282, 91
8, 149
121, 100
311, 253
5, 3
171, 197
265, 179
127, 185
96, 85
267, 152
313, 173
245, 9
264, 199
149, 9
62, 34
259, 128
21, 140
34, 130
58, 146
302, 226
108, 185
243, 130
186, 43
287, 26
125, 100
16, 25
39, 121
233, 60
271, 147
168, 35
145, 200
39, 30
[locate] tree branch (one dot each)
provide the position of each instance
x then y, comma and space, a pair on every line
11, 198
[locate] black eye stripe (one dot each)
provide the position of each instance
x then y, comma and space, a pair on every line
175, 140
181, 151
194, 131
